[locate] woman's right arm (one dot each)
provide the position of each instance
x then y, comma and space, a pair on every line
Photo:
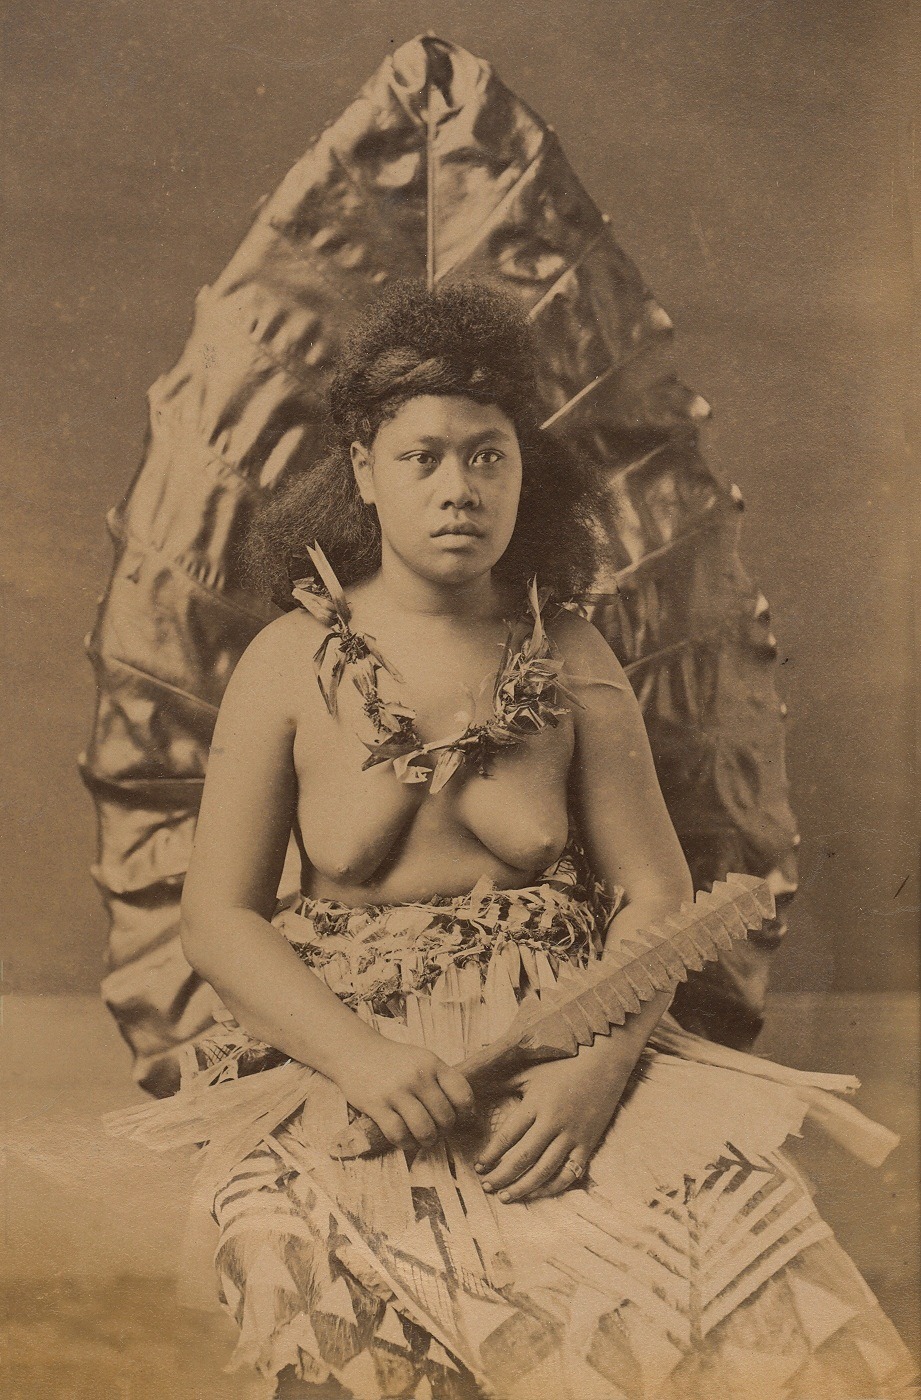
248, 807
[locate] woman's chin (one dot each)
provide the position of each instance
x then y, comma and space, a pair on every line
455, 573
457, 563
450, 561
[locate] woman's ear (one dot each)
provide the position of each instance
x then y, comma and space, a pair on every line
362, 468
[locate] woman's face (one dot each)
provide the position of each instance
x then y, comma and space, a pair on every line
444, 475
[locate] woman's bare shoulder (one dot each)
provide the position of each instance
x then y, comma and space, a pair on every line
584, 651
271, 672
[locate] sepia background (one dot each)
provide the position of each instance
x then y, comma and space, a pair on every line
755, 161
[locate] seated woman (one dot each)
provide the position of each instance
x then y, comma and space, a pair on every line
476, 808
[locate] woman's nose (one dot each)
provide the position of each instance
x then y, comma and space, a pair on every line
455, 484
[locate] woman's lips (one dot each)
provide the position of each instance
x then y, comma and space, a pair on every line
464, 530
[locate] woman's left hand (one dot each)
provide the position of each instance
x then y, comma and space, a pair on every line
544, 1143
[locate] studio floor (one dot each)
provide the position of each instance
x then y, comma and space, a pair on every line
93, 1229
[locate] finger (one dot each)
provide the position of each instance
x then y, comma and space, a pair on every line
544, 1169
521, 1157
394, 1129
514, 1126
564, 1179
417, 1119
457, 1089
438, 1106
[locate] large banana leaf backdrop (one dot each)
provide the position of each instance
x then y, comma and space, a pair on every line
436, 170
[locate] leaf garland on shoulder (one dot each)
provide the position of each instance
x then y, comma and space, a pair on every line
527, 695
341, 647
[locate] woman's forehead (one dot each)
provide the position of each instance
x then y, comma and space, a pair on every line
449, 416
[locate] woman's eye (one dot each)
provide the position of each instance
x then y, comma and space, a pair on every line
488, 457
424, 459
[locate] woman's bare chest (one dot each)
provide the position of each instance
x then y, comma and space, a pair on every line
509, 801
444, 738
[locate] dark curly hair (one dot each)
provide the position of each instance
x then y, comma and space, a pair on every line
462, 339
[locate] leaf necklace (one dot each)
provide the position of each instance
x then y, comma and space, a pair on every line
527, 693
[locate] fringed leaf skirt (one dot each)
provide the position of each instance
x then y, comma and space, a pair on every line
689, 1263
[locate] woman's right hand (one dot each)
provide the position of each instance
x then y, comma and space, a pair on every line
412, 1095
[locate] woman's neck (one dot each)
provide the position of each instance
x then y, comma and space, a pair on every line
411, 592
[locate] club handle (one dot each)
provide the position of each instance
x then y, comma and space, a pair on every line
485, 1072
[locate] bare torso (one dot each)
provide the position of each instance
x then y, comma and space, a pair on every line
444, 475
365, 837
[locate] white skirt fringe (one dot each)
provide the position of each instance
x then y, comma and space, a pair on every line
688, 1264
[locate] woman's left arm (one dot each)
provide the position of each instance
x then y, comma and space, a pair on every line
631, 844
